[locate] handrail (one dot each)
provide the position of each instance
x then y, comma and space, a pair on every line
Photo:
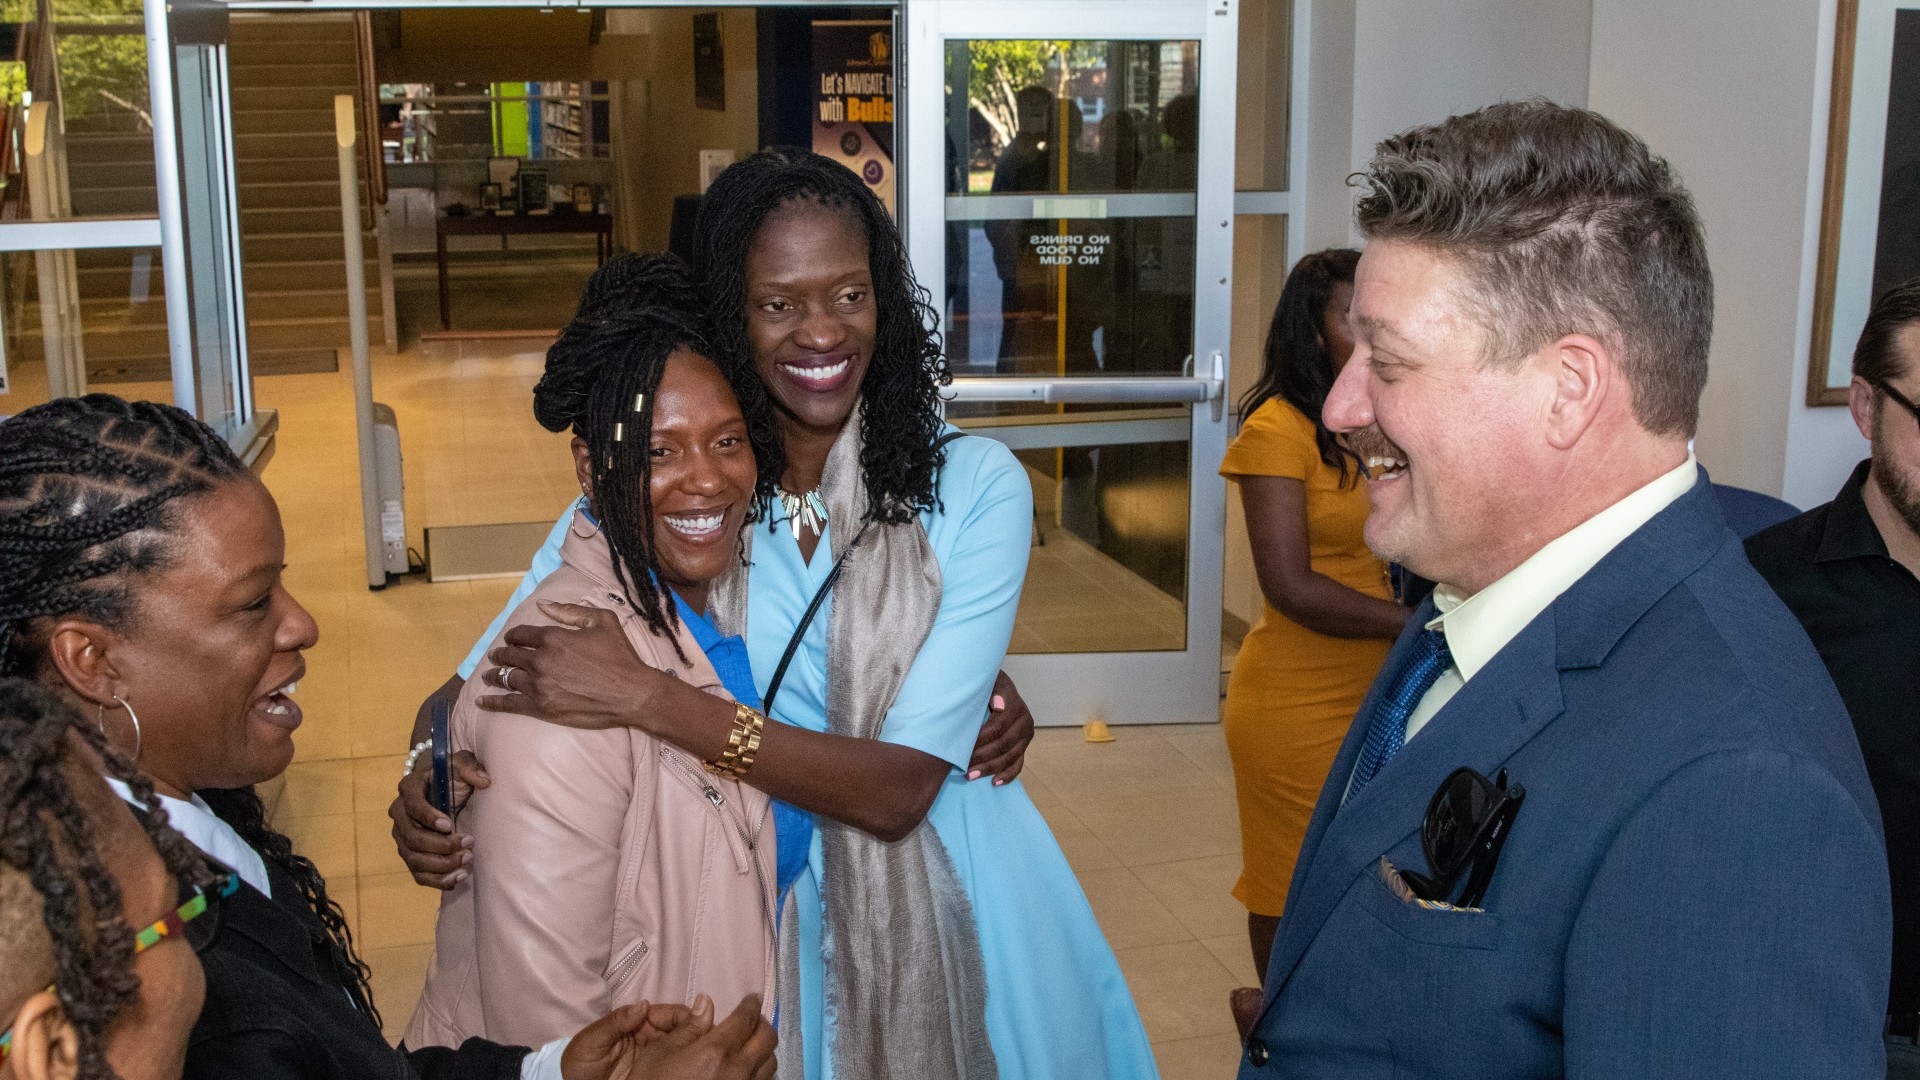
371, 154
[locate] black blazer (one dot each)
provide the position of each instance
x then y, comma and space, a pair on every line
278, 1006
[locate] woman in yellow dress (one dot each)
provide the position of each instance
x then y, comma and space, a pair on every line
1330, 613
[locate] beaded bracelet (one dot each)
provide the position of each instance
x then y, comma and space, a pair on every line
743, 742
414, 756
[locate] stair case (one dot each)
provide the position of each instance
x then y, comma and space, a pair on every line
284, 70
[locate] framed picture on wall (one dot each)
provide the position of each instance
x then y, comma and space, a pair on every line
1870, 218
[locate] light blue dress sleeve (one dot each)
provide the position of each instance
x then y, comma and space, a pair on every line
981, 540
545, 561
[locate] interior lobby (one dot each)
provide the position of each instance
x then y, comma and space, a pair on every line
507, 150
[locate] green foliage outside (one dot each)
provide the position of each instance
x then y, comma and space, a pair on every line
999, 69
101, 74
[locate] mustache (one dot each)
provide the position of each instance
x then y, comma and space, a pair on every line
1371, 442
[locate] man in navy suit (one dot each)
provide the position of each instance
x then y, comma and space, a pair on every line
1694, 883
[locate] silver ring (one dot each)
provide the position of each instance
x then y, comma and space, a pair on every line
506, 677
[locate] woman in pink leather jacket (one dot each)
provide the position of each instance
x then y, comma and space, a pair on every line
619, 868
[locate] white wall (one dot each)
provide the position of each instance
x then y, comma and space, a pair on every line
1733, 93
1822, 443
1382, 66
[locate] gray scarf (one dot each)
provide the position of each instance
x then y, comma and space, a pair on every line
905, 983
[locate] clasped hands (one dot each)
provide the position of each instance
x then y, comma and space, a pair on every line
673, 1042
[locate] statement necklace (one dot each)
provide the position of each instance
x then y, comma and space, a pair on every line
804, 511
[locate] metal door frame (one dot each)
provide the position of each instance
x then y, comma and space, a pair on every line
1129, 687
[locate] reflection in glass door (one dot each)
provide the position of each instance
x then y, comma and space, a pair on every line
1084, 144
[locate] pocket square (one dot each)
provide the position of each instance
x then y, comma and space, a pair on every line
1397, 885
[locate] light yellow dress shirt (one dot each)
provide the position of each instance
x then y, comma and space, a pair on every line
1479, 626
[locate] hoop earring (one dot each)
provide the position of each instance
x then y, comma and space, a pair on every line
100, 720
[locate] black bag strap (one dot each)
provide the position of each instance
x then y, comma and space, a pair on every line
820, 596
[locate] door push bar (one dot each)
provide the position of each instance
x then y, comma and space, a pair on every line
1211, 388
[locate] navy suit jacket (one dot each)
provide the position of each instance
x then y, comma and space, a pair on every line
1695, 885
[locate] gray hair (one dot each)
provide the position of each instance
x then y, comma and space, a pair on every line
1565, 223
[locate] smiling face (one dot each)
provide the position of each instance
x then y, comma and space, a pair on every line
1452, 443
703, 473
811, 317
209, 652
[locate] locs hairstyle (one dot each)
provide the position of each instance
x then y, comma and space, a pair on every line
47, 847
1298, 368
899, 397
602, 376
89, 500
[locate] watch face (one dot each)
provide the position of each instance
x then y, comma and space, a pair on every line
850, 143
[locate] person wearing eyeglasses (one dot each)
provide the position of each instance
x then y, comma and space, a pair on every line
1602, 813
97, 976
141, 581
1847, 570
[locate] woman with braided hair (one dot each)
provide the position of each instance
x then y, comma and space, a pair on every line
617, 868
140, 580
89, 989
933, 928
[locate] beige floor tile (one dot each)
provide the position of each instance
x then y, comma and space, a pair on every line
1138, 763
398, 974
327, 839
1083, 850
1127, 910
1180, 988
1210, 1057
395, 911
1235, 954
1199, 892
374, 852
1204, 745
323, 733
316, 787
1164, 827
345, 892
376, 781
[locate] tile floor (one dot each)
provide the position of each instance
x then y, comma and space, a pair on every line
1147, 821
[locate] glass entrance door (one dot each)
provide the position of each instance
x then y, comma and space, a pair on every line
1080, 246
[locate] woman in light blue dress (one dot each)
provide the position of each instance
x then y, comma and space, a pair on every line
936, 930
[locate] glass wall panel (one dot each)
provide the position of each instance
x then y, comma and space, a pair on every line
1108, 567
1263, 111
1070, 230
90, 152
48, 302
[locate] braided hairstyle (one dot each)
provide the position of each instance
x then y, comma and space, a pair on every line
48, 854
602, 377
87, 489
899, 397
89, 492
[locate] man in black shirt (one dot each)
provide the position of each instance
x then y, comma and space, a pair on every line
1847, 570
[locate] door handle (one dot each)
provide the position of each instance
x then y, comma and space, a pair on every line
1217, 376
1089, 389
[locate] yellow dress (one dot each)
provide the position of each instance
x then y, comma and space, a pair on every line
1294, 692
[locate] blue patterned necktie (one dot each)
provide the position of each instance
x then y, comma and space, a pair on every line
1387, 730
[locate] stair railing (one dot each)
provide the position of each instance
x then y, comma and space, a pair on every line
371, 152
